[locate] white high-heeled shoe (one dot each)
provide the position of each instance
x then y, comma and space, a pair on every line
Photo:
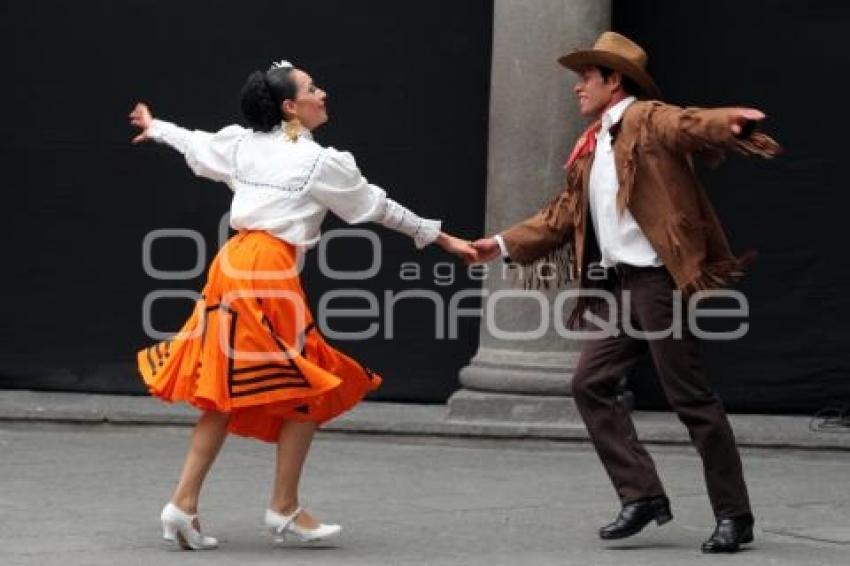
177, 526
284, 525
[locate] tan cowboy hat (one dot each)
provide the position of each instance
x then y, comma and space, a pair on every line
619, 53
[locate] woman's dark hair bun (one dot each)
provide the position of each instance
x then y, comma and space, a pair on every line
263, 94
258, 103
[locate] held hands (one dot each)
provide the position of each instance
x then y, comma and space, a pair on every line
141, 118
743, 120
479, 251
488, 249
461, 248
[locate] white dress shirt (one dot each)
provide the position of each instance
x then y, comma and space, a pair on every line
286, 188
620, 238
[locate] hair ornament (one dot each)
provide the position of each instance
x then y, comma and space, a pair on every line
282, 64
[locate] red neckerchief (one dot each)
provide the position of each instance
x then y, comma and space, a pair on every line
585, 145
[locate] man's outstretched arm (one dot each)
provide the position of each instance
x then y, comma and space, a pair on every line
535, 236
695, 130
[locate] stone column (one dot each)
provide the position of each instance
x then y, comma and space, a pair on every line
534, 121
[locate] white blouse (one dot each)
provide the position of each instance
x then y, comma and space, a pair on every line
285, 187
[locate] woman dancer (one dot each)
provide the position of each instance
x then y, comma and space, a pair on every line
249, 357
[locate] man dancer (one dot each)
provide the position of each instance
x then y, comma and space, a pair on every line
653, 232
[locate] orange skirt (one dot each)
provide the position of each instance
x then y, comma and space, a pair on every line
251, 347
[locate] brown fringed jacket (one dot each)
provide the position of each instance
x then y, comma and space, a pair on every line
654, 144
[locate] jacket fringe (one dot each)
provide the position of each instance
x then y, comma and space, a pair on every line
758, 144
574, 322
624, 193
720, 274
551, 271
558, 266
584, 303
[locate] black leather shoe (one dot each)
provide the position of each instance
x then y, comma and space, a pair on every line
729, 534
635, 516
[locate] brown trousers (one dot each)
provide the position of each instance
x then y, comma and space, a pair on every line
604, 362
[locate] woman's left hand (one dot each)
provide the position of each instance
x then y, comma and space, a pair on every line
461, 248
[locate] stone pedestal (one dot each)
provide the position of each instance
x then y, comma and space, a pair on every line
534, 121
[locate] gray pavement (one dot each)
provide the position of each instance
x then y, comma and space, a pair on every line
90, 494
422, 420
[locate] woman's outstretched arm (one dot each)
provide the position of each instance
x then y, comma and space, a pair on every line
208, 155
340, 187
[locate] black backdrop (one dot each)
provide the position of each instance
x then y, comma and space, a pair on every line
408, 91
784, 57
408, 94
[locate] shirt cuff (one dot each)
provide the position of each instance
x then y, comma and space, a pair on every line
427, 232
423, 230
502, 246
169, 134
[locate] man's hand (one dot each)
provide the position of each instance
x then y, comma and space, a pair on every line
488, 249
742, 120
461, 248
141, 118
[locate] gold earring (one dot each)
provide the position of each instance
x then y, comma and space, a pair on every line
293, 128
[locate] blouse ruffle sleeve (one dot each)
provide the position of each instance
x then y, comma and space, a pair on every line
210, 155
344, 191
